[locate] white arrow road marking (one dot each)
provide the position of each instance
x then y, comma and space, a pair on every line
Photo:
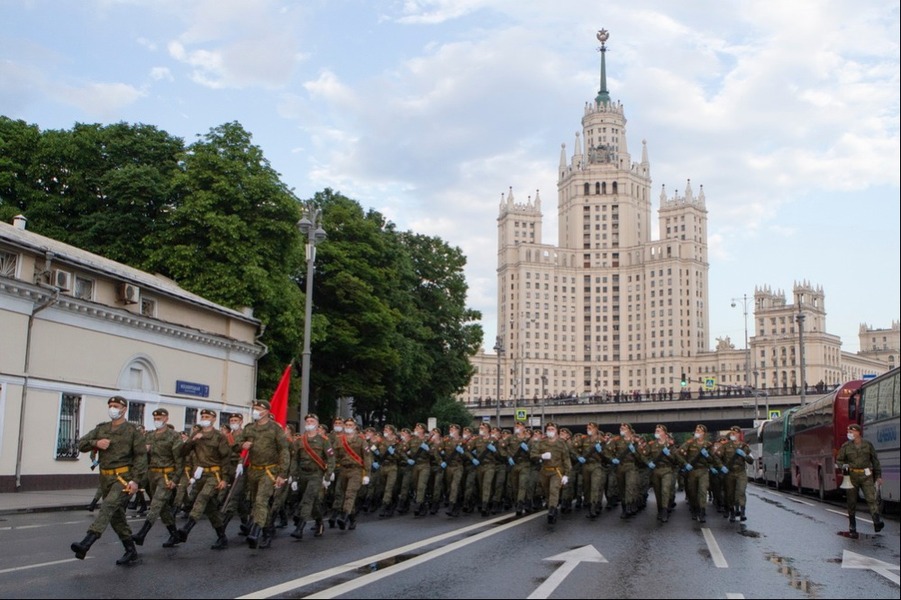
853, 560
570, 560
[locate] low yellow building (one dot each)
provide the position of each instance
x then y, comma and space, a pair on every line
76, 328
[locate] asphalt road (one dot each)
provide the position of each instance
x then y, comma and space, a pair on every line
789, 548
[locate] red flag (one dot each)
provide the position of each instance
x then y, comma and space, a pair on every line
279, 404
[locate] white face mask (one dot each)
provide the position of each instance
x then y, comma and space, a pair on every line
551, 433
338, 429
733, 438
698, 436
657, 435
114, 413
454, 434
234, 426
159, 424
205, 423
256, 415
623, 432
851, 436
310, 428
349, 431
484, 433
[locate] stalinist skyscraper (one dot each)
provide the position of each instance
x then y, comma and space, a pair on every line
609, 308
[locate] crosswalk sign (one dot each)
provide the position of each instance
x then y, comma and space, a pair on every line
520, 414
710, 383
775, 414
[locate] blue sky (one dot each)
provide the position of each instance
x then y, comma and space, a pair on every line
429, 110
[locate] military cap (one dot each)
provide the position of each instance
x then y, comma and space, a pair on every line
702, 427
565, 430
405, 430
592, 424
238, 416
208, 411
854, 427
735, 428
311, 416
551, 424
161, 412
421, 426
390, 427
338, 420
663, 427
454, 426
117, 400
627, 425
261, 404
349, 420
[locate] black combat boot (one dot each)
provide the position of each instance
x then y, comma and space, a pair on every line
81, 548
624, 511
221, 540
93, 505
131, 553
333, 519
139, 536
185, 530
352, 521
319, 528
663, 516
282, 520
266, 539
298, 531
387, 510
732, 515
852, 525
173, 537
552, 515
878, 523
702, 515
591, 514
421, 509
741, 514
142, 504
245, 526
433, 508
253, 536
341, 521
455, 511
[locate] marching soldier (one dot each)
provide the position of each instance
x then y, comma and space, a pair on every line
593, 476
269, 461
211, 453
355, 463
484, 452
663, 460
420, 452
390, 452
123, 462
555, 468
735, 455
437, 467
453, 457
519, 459
699, 460
622, 452
861, 465
237, 497
166, 465
312, 469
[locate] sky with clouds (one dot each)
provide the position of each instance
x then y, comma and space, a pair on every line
429, 110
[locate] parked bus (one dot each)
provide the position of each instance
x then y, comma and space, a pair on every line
776, 450
881, 415
752, 439
818, 429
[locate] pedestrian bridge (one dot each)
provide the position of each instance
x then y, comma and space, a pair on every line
679, 415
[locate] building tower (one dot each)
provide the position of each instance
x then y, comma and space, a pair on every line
608, 309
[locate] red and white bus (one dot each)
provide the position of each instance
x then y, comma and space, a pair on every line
818, 430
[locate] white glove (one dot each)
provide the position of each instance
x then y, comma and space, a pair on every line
198, 473
564, 480
546, 456
293, 486
366, 480
239, 470
332, 478
373, 448
326, 482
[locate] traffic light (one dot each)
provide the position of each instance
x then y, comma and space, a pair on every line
684, 381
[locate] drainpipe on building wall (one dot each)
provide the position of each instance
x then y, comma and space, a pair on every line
256, 365
45, 304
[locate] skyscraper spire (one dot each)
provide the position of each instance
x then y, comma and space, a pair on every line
603, 95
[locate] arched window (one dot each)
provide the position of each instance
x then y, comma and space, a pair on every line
597, 188
587, 188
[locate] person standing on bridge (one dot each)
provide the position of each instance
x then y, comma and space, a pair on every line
861, 466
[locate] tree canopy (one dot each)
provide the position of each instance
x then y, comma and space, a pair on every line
390, 331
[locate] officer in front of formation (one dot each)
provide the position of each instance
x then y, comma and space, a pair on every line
123, 462
166, 467
861, 466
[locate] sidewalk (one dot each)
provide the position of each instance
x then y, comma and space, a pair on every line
13, 503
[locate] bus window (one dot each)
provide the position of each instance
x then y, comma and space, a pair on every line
852, 407
885, 399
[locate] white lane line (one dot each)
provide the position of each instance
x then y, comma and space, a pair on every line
804, 502
845, 514
359, 582
39, 565
736, 595
718, 559
364, 562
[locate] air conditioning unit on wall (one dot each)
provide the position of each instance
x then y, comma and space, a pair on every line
129, 293
62, 280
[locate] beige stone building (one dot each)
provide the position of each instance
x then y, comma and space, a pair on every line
76, 328
882, 344
610, 311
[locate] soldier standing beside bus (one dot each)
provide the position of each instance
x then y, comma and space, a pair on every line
861, 466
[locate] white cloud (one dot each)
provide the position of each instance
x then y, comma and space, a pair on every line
102, 100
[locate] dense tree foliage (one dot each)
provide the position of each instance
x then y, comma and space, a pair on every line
390, 328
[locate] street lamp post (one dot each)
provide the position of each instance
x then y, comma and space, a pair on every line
543, 394
499, 350
310, 227
800, 320
744, 302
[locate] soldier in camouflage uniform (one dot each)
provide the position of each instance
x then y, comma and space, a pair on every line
166, 466
861, 465
123, 462
699, 460
269, 461
622, 452
555, 467
211, 455
453, 452
354, 460
520, 461
237, 497
312, 469
390, 453
485, 457
663, 458
593, 476
438, 466
419, 450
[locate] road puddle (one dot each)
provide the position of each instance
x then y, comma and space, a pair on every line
795, 578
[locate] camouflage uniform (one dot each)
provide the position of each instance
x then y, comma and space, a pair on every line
312, 470
267, 471
354, 460
211, 455
555, 468
166, 468
699, 459
735, 455
863, 469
